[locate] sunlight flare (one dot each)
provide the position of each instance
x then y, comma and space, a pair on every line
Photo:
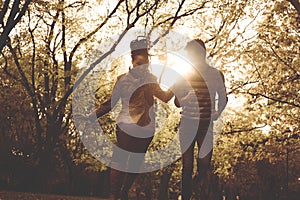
170, 69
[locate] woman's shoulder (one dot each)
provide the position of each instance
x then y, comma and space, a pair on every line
152, 77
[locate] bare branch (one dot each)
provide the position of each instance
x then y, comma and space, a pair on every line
281, 60
175, 18
52, 52
24, 79
265, 140
76, 4
67, 65
217, 34
234, 89
86, 72
6, 70
33, 54
3, 12
259, 74
82, 40
128, 11
243, 130
272, 98
21, 72
12, 20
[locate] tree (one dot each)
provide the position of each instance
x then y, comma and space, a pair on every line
9, 17
264, 128
255, 43
44, 52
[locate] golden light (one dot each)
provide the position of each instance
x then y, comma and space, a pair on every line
180, 63
266, 129
169, 70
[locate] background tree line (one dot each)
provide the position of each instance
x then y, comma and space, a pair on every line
255, 43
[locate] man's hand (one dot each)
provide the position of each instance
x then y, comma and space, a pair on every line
190, 97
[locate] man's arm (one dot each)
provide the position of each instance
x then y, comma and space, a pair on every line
221, 90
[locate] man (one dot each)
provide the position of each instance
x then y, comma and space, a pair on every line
199, 108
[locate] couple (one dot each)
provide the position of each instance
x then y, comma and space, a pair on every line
136, 121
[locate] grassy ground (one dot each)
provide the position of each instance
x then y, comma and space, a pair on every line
11, 195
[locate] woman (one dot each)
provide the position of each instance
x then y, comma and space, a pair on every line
136, 121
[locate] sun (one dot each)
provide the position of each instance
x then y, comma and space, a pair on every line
180, 63
168, 71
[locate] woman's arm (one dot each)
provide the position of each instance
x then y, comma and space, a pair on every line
164, 96
107, 106
104, 108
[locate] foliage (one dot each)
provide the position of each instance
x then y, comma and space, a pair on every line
255, 44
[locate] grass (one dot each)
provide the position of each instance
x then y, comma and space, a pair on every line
11, 195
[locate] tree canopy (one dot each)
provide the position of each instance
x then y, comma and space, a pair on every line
44, 45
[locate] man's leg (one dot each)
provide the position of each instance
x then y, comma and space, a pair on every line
187, 141
205, 149
205, 146
187, 172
